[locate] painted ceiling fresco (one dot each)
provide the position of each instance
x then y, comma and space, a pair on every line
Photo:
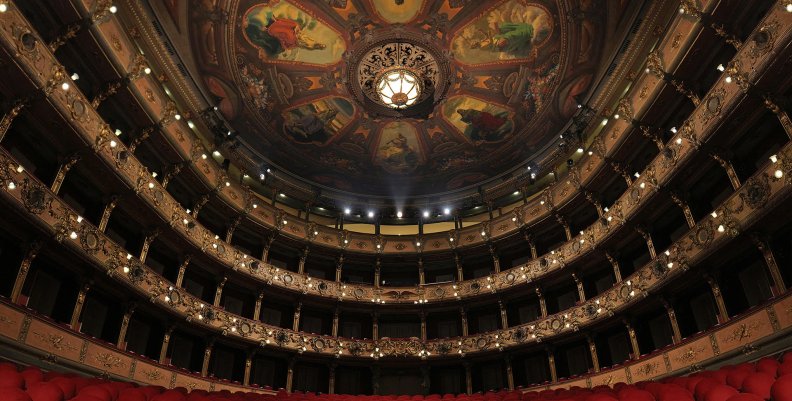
277, 69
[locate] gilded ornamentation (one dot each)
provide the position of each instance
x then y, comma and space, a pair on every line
152, 375
55, 341
108, 360
756, 191
742, 332
713, 104
690, 354
6, 320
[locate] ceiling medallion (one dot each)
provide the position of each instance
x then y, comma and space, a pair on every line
397, 74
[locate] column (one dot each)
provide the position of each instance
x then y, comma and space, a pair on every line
723, 314
593, 350
172, 171
199, 204
121, 343
219, 291
377, 272
421, 272
257, 310
339, 268
423, 326
248, 366
182, 269
463, 317
150, 237
509, 373
567, 231
165, 341
779, 287
24, 267
531, 243
682, 203
303, 258
580, 290
495, 260
9, 117
107, 211
594, 200
542, 302
332, 378
616, 269
551, 364
677, 334
231, 228
75, 319
468, 379
296, 319
771, 105
336, 316
267, 244
64, 168
504, 317
636, 350
648, 238
290, 375
729, 168
460, 272
207, 358
375, 326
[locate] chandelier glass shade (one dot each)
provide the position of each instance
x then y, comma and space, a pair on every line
399, 88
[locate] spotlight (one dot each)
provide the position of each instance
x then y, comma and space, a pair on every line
426, 213
347, 210
446, 211
75, 76
370, 214
113, 9
399, 214
721, 68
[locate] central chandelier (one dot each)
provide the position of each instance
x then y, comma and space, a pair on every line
399, 88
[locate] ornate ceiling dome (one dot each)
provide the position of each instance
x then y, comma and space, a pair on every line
484, 86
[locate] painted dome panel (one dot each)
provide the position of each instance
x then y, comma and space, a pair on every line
510, 31
281, 31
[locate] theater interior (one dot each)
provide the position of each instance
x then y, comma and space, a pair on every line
395, 200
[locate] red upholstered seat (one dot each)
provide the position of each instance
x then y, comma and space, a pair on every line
721, 374
44, 391
736, 376
635, 394
8, 366
782, 388
703, 387
787, 357
11, 378
758, 383
768, 365
170, 395
31, 376
66, 385
692, 382
13, 394
98, 391
131, 394
720, 392
673, 392
603, 396
745, 397
785, 368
